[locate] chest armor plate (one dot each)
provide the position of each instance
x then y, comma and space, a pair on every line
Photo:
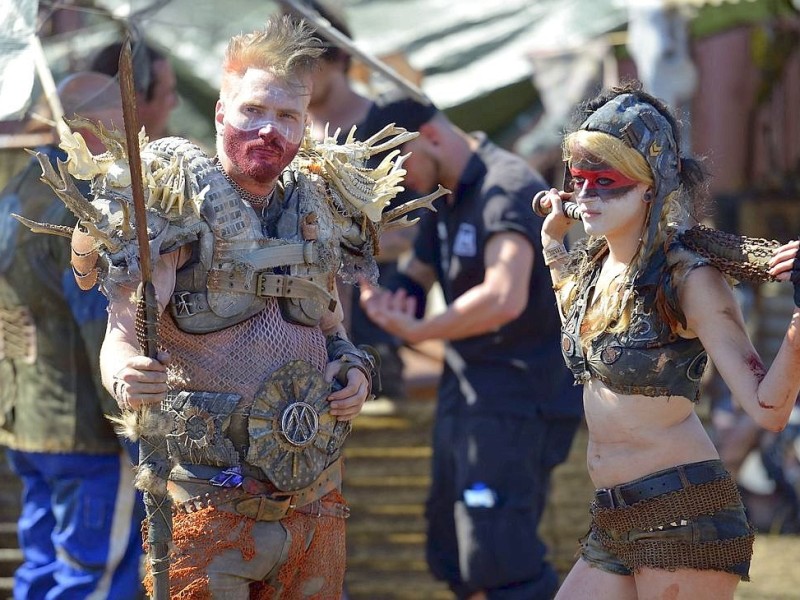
648, 358
243, 261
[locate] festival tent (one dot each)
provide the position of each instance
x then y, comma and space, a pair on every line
475, 59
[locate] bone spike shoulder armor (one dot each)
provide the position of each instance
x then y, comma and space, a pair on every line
325, 218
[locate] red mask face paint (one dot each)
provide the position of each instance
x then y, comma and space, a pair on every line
262, 123
276, 109
598, 180
259, 157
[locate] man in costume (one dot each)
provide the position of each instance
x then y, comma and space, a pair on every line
507, 410
79, 527
256, 381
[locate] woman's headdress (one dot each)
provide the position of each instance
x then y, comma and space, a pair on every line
642, 127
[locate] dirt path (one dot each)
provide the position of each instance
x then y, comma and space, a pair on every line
775, 570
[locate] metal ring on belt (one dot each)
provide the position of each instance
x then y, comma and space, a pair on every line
662, 482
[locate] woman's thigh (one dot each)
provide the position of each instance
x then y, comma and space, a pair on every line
585, 581
685, 584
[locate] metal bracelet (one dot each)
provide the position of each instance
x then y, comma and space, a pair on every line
119, 393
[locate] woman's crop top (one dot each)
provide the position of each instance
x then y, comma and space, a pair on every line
648, 358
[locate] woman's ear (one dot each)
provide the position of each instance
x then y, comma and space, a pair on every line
648, 195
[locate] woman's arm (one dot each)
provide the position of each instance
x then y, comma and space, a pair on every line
713, 314
554, 230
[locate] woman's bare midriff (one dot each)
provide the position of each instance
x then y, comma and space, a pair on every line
631, 436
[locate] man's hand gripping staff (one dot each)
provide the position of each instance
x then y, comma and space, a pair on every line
153, 462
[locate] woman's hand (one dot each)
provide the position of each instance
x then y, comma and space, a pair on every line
785, 266
556, 223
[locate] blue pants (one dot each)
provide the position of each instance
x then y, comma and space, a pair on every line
79, 529
493, 548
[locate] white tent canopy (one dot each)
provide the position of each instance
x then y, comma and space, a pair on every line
17, 65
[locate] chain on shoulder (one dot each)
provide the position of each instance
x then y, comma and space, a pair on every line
741, 257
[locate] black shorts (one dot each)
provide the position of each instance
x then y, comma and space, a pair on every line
696, 536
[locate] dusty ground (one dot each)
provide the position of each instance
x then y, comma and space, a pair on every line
775, 570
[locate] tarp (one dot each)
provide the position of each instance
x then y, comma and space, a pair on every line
465, 51
17, 28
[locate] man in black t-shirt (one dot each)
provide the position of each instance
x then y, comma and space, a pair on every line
337, 105
507, 410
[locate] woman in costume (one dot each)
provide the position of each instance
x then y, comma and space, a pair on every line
643, 307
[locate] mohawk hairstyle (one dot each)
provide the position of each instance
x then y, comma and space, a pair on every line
286, 46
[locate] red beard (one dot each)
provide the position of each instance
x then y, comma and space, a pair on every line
260, 159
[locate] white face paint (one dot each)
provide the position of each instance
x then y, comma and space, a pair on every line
277, 109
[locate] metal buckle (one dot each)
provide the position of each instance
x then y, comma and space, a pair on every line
605, 498
272, 284
292, 505
184, 304
261, 284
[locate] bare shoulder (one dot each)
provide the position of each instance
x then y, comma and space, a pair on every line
705, 295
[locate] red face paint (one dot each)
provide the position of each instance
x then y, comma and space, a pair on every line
604, 183
259, 157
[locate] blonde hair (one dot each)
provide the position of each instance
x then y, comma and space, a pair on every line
286, 46
612, 311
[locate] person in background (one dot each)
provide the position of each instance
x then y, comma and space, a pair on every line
153, 79
79, 527
507, 410
336, 104
642, 312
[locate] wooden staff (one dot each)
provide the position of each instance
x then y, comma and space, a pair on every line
152, 448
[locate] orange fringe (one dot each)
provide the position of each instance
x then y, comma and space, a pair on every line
205, 534
314, 569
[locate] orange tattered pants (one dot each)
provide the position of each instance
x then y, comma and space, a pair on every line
219, 554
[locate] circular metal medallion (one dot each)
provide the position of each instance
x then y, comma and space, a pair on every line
299, 424
292, 432
610, 354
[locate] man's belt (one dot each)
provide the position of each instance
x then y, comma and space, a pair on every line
265, 284
257, 499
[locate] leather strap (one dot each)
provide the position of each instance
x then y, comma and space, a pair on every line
657, 484
288, 286
268, 285
282, 255
259, 500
